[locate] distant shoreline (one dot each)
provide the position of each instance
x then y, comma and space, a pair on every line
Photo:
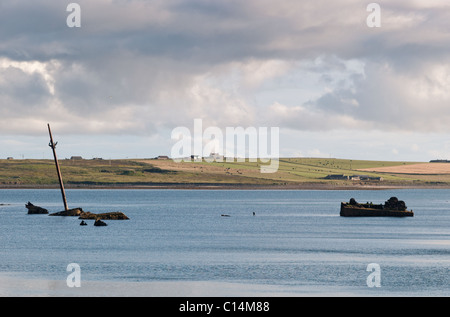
292, 174
218, 186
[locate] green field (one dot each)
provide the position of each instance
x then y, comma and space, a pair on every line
291, 171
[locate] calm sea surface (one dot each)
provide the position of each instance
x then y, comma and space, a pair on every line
295, 241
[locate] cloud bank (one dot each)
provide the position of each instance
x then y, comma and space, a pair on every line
136, 67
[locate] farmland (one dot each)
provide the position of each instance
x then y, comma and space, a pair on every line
291, 173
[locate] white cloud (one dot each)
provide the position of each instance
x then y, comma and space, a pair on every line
44, 69
256, 72
304, 118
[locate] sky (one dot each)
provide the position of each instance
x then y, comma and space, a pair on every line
118, 85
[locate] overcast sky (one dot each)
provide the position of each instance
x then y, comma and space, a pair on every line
118, 85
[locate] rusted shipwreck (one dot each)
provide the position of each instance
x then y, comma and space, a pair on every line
73, 212
391, 208
81, 214
35, 210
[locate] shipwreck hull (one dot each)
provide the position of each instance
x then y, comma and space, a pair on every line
81, 214
352, 211
35, 210
75, 212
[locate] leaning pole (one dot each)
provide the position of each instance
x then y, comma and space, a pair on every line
61, 185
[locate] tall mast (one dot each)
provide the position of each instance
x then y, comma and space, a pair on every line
61, 185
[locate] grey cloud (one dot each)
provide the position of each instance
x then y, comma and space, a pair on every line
389, 100
143, 59
15, 102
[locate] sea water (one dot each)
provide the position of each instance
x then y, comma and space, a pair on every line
291, 241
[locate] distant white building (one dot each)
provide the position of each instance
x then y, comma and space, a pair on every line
216, 157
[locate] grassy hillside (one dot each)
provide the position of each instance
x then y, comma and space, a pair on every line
291, 171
